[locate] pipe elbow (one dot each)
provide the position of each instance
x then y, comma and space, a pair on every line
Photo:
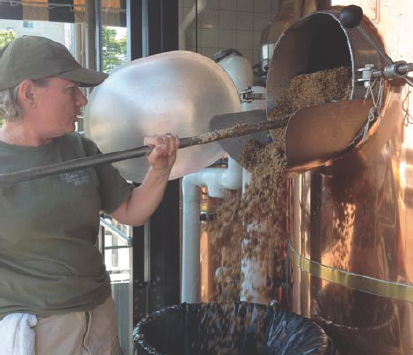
231, 178
190, 186
211, 178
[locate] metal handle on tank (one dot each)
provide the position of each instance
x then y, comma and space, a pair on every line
351, 17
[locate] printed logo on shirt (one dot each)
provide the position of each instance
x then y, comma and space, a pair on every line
79, 177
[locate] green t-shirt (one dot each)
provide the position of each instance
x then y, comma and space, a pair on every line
49, 263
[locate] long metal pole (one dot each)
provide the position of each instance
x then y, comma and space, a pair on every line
81, 163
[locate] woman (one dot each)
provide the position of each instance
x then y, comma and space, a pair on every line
50, 268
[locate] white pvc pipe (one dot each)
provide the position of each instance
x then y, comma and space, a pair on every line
246, 179
211, 179
231, 178
254, 276
254, 271
216, 180
190, 242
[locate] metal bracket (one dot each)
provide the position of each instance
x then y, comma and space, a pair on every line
248, 95
367, 73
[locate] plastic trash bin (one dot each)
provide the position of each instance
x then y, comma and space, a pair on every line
238, 328
358, 322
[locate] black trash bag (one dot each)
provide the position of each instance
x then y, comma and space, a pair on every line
228, 329
358, 323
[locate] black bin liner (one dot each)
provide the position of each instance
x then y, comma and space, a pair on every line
238, 328
357, 322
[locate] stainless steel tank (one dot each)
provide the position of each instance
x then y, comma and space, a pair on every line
350, 224
175, 92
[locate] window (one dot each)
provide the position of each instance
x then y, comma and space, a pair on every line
28, 24
113, 47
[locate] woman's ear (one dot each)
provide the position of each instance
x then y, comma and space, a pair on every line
27, 94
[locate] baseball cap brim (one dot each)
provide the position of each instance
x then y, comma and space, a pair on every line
83, 76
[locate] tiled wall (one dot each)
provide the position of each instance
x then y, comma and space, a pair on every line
229, 24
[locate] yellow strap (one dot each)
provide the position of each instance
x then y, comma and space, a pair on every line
395, 290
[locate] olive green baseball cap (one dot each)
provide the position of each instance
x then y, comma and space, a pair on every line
34, 57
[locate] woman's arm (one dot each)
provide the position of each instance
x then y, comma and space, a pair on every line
145, 199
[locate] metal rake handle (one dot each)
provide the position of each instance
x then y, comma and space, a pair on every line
82, 163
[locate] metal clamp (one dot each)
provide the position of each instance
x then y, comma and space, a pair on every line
367, 73
248, 95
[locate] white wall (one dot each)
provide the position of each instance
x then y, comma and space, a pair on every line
229, 24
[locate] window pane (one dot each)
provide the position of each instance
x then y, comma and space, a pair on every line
113, 47
57, 31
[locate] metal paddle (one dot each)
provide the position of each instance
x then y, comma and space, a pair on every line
314, 134
81, 163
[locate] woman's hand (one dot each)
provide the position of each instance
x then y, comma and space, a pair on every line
146, 197
163, 155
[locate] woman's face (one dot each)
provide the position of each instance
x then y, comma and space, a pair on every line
58, 104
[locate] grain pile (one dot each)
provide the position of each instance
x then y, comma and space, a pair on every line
253, 226
314, 89
224, 329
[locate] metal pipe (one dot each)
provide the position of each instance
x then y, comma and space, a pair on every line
81, 163
147, 253
216, 180
98, 37
405, 68
115, 231
58, 168
190, 240
90, 17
